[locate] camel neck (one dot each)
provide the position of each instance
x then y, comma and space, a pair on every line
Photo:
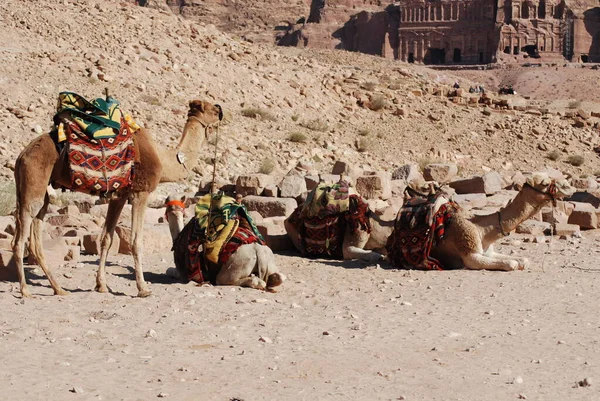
192, 137
522, 207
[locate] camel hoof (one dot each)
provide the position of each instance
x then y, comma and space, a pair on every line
61, 292
101, 288
26, 294
513, 265
144, 293
274, 280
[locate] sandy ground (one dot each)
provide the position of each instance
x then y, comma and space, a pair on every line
336, 331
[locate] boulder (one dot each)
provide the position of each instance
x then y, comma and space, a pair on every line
566, 229
91, 244
584, 215
252, 184
311, 182
533, 227
157, 239
408, 173
270, 207
440, 172
271, 191
375, 185
292, 186
8, 269
489, 184
273, 231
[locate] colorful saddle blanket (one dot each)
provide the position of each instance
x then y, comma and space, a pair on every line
328, 200
99, 143
324, 236
209, 246
420, 225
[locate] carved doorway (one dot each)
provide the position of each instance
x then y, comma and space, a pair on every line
456, 57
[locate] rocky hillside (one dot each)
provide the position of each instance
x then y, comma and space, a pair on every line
283, 105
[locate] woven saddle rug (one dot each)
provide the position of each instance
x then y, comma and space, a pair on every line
209, 246
323, 236
96, 140
419, 227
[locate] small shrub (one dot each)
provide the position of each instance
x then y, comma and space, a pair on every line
575, 104
363, 132
297, 137
362, 144
153, 100
266, 166
295, 117
378, 103
8, 198
317, 159
380, 135
576, 160
553, 155
315, 125
369, 86
255, 112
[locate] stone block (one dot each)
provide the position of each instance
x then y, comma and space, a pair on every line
489, 184
271, 191
408, 173
273, 231
252, 184
8, 268
376, 185
332, 178
584, 215
440, 172
292, 186
157, 239
270, 207
566, 229
70, 210
533, 227
91, 244
311, 182
554, 216
585, 197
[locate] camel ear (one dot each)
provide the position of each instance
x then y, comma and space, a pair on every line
197, 105
218, 106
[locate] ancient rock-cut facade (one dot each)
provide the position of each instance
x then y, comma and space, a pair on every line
462, 31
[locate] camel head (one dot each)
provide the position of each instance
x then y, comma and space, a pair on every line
175, 213
207, 113
548, 189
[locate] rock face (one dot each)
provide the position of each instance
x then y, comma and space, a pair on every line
413, 31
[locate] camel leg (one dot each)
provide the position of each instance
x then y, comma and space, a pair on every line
239, 267
115, 207
138, 203
523, 262
354, 244
23, 226
36, 247
477, 261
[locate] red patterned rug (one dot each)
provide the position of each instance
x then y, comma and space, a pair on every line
324, 236
417, 231
99, 166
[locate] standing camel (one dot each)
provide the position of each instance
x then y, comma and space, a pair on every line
469, 242
39, 165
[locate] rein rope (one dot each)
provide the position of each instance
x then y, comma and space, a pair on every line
212, 191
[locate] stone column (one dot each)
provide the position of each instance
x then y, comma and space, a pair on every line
442, 12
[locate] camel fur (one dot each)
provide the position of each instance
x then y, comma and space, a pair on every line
468, 242
38, 165
251, 265
360, 244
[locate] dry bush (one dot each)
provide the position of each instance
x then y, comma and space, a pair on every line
295, 117
575, 104
153, 100
255, 112
576, 160
266, 166
364, 132
553, 155
377, 103
363, 144
315, 125
297, 137
8, 198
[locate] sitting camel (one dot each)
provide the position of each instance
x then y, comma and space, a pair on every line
39, 164
468, 242
364, 239
251, 263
